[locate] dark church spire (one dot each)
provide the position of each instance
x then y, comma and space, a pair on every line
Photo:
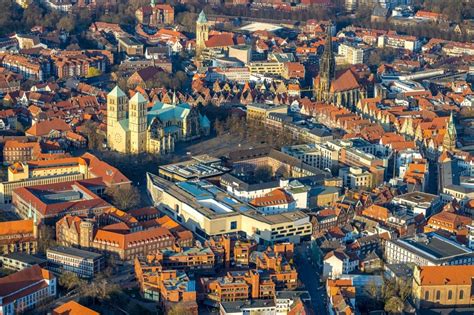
327, 69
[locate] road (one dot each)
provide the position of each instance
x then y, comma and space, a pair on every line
310, 277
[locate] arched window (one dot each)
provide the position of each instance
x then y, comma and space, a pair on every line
438, 295
450, 295
461, 294
427, 295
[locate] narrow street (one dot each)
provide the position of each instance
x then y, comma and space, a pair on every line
310, 277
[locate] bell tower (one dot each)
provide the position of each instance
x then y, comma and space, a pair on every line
450, 136
137, 123
117, 102
327, 69
202, 33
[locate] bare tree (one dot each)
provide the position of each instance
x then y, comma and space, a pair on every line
124, 198
69, 280
45, 238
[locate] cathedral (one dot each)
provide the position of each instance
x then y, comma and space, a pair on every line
344, 88
134, 127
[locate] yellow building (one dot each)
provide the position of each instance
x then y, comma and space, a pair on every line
257, 112
46, 172
132, 127
23, 3
443, 286
34, 169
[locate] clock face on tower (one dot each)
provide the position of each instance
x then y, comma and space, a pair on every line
118, 138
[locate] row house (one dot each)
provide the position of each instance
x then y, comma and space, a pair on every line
29, 68
167, 287
17, 151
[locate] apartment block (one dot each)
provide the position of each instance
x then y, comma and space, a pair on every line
19, 260
68, 64
83, 263
29, 68
410, 43
353, 54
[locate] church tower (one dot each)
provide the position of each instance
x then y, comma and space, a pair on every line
327, 69
450, 136
117, 102
202, 33
137, 123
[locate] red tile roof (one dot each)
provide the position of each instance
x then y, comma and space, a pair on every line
109, 174
30, 195
23, 282
345, 82
221, 40
275, 197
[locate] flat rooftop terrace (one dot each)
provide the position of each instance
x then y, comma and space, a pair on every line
435, 246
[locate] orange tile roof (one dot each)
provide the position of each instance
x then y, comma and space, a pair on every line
125, 241
73, 308
16, 227
43, 128
376, 212
446, 275
449, 218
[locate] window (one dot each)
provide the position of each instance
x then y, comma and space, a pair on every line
450, 295
461, 294
438, 295
427, 295
233, 225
